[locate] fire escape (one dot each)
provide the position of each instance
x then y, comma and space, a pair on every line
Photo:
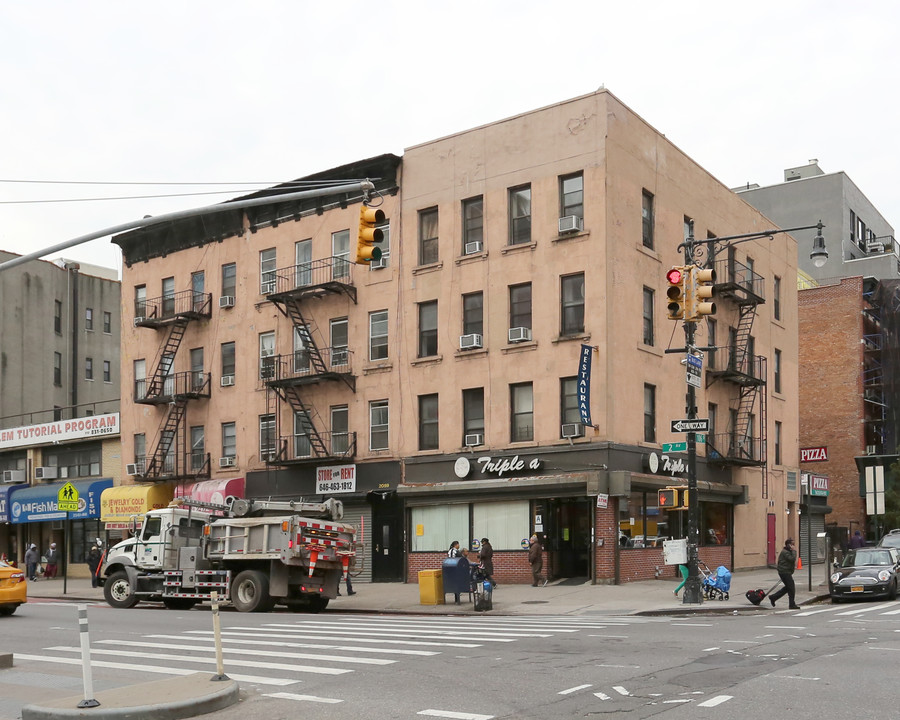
293, 378
743, 369
873, 376
172, 456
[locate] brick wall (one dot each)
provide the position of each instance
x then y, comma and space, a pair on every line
510, 566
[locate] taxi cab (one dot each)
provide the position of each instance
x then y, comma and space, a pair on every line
13, 588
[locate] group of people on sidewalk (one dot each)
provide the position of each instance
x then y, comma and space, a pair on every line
46, 565
486, 558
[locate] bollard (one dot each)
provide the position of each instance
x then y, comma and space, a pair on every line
89, 700
217, 635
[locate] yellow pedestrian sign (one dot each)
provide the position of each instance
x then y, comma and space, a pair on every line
67, 498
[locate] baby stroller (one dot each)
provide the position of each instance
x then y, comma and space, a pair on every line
715, 585
482, 590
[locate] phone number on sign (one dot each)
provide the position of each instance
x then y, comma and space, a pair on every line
330, 487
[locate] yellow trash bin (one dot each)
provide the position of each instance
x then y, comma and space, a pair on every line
431, 587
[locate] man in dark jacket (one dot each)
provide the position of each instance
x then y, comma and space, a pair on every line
536, 558
486, 556
787, 561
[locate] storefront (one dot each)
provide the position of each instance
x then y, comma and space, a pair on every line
123, 507
8, 545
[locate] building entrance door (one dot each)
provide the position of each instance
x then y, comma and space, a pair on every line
387, 537
568, 537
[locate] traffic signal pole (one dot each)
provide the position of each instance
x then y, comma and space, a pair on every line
692, 594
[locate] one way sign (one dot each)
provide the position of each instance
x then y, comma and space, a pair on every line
699, 425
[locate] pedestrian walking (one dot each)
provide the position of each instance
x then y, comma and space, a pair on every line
486, 556
52, 556
536, 558
94, 558
31, 562
685, 571
787, 561
350, 590
857, 540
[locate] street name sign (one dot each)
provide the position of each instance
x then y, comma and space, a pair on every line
674, 447
699, 425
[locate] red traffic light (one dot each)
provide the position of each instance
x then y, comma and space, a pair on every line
674, 276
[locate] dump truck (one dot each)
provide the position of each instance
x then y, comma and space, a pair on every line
255, 554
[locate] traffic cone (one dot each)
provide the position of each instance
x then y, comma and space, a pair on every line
799, 562
345, 561
313, 558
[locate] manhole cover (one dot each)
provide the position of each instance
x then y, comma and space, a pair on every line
535, 602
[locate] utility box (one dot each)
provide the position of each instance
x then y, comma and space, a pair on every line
431, 587
675, 552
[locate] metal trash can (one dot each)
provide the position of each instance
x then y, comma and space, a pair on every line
431, 587
456, 576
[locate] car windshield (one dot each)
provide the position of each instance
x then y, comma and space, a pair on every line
892, 540
867, 557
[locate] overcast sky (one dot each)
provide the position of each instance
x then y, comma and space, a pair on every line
270, 90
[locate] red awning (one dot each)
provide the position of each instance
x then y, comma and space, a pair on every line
212, 491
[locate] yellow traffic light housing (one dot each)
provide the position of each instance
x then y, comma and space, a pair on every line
369, 235
700, 293
676, 293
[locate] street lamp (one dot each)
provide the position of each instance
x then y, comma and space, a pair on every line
694, 251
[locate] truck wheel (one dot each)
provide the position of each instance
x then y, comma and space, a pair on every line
179, 603
250, 592
118, 591
317, 603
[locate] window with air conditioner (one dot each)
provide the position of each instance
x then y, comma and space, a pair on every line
470, 342
226, 301
570, 224
13, 476
474, 440
226, 462
473, 247
45, 473
519, 334
227, 380
572, 430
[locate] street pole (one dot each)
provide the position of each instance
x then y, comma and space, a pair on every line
692, 593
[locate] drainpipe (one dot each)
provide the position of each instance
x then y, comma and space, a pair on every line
73, 269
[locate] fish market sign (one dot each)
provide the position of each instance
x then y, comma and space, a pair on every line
499, 466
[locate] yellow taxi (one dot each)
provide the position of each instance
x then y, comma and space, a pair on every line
13, 588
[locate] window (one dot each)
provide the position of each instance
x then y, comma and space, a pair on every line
74, 461
643, 524
777, 370
378, 335
715, 523
473, 412
229, 279
340, 251
340, 354
198, 291
428, 339
303, 263
88, 318
688, 227
140, 301
267, 267
520, 306
648, 316
713, 413
198, 448
302, 427
340, 430
385, 244
229, 440
198, 377
649, 413
568, 402
267, 355
647, 219
57, 369
140, 451
521, 403
777, 443
520, 215
57, 317
440, 525
57, 413
89, 368
572, 310
107, 322
776, 297
711, 342
228, 362
473, 313
267, 439
428, 236
302, 343
140, 379
473, 221
505, 523
168, 297
378, 425
571, 195
428, 422
107, 371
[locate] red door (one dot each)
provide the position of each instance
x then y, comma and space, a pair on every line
770, 539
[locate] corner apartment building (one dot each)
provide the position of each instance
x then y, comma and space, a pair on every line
59, 382
437, 391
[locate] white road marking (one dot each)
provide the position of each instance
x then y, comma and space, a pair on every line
454, 715
679, 700
610, 636
870, 608
691, 624
785, 627
709, 649
718, 700
307, 698
256, 679
622, 691
329, 632
630, 667
602, 696
227, 633
573, 689
308, 646
393, 627
742, 642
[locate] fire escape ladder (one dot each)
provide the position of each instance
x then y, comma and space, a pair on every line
166, 357
165, 458
742, 357
291, 395
305, 327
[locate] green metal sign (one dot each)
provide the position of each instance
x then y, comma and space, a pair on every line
674, 447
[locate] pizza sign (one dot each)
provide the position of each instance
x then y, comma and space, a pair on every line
814, 454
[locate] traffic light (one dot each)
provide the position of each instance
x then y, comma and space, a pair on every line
366, 250
676, 292
667, 498
700, 293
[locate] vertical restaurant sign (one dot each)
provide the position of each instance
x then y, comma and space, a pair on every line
584, 385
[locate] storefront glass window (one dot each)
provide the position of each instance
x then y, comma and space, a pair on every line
715, 525
642, 523
434, 528
505, 524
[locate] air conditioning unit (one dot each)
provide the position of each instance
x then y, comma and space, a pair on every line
570, 224
267, 288
474, 440
519, 334
381, 262
227, 380
473, 247
470, 342
572, 430
870, 450
226, 462
267, 352
45, 473
874, 246
135, 468
13, 476
138, 321
226, 301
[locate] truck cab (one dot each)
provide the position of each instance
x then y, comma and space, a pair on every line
157, 541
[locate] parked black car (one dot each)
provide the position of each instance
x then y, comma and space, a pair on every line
866, 573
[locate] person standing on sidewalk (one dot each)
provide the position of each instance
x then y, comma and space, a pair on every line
52, 556
787, 561
486, 556
536, 558
31, 562
93, 561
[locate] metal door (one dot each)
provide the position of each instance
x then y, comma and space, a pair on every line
387, 538
771, 549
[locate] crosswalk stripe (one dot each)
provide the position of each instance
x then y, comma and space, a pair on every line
375, 634
432, 628
307, 698
278, 643
712, 702
208, 661
255, 633
256, 679
869, 608
454, 715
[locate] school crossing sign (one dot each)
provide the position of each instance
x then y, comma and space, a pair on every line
67, 498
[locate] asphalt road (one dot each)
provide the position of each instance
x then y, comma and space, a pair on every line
811, 663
